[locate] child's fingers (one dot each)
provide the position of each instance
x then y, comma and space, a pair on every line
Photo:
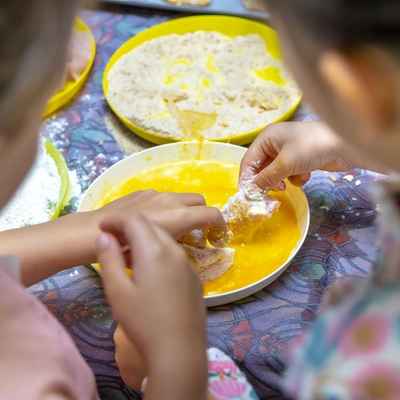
191, 199
111, 258
272, 176
140, 195
146, 242
256, 157
153, 248
176, 222
115, 225
184, 220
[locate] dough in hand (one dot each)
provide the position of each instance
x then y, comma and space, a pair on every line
247, 210
210, 262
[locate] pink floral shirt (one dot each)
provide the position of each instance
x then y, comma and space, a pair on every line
353, 349
225, 380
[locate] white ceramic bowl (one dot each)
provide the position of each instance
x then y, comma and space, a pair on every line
182, 151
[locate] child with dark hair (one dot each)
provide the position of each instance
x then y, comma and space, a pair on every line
346, 57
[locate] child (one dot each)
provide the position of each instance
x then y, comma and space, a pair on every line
346, 57
38, 358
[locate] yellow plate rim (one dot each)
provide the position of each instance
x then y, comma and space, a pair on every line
65, 186
153, 32
62, 97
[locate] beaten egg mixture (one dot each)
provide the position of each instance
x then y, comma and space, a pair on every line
268, 249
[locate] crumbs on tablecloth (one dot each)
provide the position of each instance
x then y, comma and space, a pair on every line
37, 197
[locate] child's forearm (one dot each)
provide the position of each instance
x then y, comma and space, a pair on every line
51, 247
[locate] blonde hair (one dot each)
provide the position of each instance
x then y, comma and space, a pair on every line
34, 37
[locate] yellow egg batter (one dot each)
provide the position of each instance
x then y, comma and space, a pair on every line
217, 182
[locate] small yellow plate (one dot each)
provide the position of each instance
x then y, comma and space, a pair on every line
230, 26
65, 186
72, 88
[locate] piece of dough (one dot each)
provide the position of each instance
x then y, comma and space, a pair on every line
210, 262
246, 211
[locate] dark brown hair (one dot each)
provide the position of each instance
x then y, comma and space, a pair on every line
346, 22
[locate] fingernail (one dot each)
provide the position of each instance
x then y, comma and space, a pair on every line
281, 186
103, 241
144, 385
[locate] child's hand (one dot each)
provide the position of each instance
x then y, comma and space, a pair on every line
161, 309
177, 213
293, 149
129, 360
78, 56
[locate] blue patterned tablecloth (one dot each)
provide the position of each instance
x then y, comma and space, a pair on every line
256, 331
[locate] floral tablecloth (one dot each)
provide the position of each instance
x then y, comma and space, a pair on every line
256, 331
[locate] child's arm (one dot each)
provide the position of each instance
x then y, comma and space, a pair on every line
161, 309
294, 149
48, 248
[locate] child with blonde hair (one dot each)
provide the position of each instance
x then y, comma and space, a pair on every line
38, 357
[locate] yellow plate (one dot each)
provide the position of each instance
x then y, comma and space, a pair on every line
72, 88
62, 169
230, 26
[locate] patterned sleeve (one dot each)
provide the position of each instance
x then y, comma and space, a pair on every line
225, 380
352, 350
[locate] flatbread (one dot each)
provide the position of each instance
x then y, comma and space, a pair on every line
210, 262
